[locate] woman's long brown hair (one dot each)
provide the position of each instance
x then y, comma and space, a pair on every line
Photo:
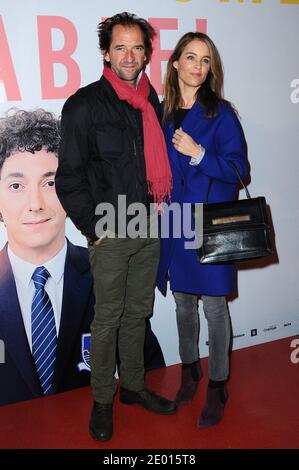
211, 91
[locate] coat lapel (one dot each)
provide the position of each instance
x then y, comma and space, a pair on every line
173, 154
12, 329
192, 122
191, 125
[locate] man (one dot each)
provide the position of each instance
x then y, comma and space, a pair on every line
112, 146
37, 251
35, 223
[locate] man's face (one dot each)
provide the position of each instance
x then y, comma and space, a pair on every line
31, 211
127, 53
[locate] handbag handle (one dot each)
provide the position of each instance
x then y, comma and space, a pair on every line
232, 164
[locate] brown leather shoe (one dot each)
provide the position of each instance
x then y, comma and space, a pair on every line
213, 409
149, 400
190, 378
101, 424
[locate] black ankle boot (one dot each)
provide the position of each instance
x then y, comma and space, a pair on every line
101, 424
191, 375
149, 400
213, 409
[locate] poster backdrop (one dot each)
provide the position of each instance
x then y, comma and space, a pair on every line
48, 49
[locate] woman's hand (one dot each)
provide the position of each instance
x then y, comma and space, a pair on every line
184, 144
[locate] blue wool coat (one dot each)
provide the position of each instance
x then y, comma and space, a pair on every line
223, 140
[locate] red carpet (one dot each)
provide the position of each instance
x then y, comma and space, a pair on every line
262, 411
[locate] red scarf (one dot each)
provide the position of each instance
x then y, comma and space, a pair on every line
158, 173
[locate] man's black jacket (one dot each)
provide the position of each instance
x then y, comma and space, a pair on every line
101, 154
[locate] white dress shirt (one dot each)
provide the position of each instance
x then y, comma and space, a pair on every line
196, 160
23, 270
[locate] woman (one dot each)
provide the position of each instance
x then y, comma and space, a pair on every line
203, 135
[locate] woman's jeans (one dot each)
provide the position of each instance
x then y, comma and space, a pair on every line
217, 315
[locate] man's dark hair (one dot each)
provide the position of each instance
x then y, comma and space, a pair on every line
28, 131
126, 19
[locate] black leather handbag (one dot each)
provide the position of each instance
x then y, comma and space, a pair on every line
235, 230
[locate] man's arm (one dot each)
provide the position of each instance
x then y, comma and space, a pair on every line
154, 99
72, 184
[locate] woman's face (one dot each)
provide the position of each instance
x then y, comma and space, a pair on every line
193, 65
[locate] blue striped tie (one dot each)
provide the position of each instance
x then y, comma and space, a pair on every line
44, 338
